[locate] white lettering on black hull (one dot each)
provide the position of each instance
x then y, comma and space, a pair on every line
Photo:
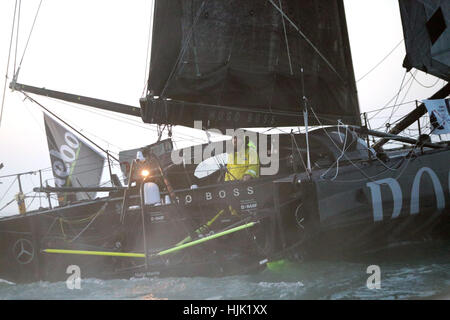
221, 194
440, 200
377, 201
397, 194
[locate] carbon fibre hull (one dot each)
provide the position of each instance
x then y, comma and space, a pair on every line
297, 217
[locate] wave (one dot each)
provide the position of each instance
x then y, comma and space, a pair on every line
7, 282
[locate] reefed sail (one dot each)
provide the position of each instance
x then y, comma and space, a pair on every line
74, 163
239, 63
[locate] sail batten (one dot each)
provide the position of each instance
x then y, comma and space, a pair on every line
249, 56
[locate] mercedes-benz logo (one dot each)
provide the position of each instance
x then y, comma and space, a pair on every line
23, 251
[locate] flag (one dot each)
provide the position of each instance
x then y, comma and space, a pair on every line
74, 163
439, 111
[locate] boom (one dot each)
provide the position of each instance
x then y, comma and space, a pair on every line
87, 101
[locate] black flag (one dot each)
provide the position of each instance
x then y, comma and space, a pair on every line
74, 163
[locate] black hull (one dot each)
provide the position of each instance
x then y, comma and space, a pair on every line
359, 241
297, 218
342, 216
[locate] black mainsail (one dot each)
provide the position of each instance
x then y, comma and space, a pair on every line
239, 63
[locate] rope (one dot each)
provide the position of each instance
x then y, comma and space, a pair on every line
307, 39
437, 80
286, 40
183, 49
392, 106
293, 140
382, 60
17, 35
351, 162
28, 40
10, 186
31, 202
71, 127
147, 58
395, 96
7, 65
7, 204
126, 120
396, 108
344, 149
387, 124
408, 157
102, 209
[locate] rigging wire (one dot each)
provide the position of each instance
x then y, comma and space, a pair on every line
307, 40
293, 141
381, 61
344, 149
395, 103
53, 145
29, 204
348, 159
20, 173
407, 91
28, 40
7, 65
183, 49
286, 40
84, 136
9, 188
428, 87
391, 106
50, 168
50, 179
123, 119
17, 36
396, 106
147, 58
394, 97
6, 205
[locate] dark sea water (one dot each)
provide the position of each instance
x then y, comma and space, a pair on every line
408, 271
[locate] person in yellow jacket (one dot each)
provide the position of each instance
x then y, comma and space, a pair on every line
244, 163
241, 165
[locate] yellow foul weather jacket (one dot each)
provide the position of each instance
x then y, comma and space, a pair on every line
243, 162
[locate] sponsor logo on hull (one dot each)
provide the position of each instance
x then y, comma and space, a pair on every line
397, 194
193, 197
